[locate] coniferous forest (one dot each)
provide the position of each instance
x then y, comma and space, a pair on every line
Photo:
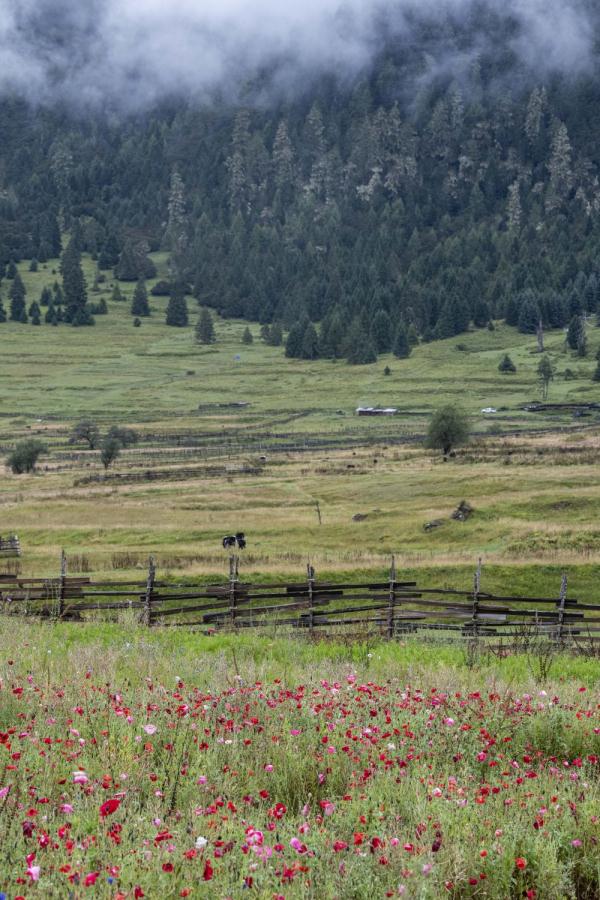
361, 216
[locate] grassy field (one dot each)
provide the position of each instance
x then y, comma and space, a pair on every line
536, 498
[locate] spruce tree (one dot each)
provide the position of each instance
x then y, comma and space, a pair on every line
45, 297
34, 313
247, 336
506, 365
575, 332
360, 349
11, 270
310, 343
17, 299
275, 335
529, 317
205, 330
293, 344
117, 296
401, 347
177, 312
139, 303
382, 331
74, 286
2, 312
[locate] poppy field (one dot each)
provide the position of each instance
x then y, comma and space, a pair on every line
261, 769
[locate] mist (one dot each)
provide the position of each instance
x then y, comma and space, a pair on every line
130, 54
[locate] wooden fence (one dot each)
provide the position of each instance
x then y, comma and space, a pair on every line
389, 607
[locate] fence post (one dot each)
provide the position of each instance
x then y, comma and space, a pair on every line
62, 584
310, 576
233, 581
392, 600
147, 617
561, 607
476, 590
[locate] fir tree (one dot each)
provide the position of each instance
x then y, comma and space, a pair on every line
17, 299
575, 332
46, 297
275, 335
74, 286
382, 332
177, 312
401, 346
506, 365
117, 296
310, 343
293, 344
205, 329
139, 303
247, 336
2, 312
360, 349
34, 313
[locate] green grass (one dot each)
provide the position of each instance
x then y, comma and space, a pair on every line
536, 500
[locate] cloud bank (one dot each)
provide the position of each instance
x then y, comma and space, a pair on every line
133, 53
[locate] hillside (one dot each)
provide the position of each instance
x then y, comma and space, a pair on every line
397, 199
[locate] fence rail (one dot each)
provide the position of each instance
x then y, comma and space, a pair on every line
391, 606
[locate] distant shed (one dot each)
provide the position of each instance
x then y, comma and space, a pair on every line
376, 411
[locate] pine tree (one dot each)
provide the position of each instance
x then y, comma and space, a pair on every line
275, 335
506, 365
575, 332
177, 312
117, 296
175, 238
109, 254
382, 332
514, 207
247, 336
34, 313
310, 343
11, 270
74, 286
2, 312
205, 329
293, 344
17, 299
529, 316
45, 297
402, 348
139, 303
360, 349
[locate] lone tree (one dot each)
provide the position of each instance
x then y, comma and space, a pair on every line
506, 365
546, 373
205, 330
247, 336
25, 456
87, 432
448, 428
110, 451
18, 313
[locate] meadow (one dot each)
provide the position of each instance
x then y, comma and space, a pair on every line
173, 766
204, 468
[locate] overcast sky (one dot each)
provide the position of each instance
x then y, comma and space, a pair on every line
134, 52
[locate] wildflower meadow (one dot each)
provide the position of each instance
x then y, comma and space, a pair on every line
258, 768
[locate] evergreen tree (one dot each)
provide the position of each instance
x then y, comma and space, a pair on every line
74, 286
360, 349
34, 313
293, 344
17, 299
596, 375
117, 296
11, 270
575, 332
529, 317
2, 312
382, 332
109, 254
481, 314
205, 329
310, 343
139, 303
402, 348
506, 365
46, 297
247, 336
275, 335
177, 312
545, 371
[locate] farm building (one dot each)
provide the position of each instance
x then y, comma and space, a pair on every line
376, 411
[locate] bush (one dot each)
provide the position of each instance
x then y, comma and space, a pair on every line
25, 456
